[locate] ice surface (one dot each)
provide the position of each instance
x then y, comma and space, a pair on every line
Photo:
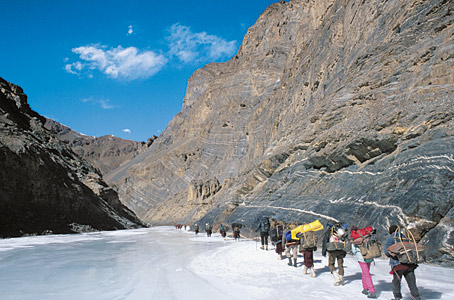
165, 263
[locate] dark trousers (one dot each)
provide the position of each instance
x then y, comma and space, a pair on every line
279, 249
332, 257
410, 278
264, 238
308, 258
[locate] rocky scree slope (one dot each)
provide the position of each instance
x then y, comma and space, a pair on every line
331, 110
105, 153
44, 186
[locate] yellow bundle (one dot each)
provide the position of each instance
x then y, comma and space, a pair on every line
314, 226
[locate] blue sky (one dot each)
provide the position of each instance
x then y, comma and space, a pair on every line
116, 67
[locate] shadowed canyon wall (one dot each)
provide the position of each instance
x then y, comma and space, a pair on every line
44, 186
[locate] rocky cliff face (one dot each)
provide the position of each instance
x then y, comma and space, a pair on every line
44, 186
332, 110
105, 153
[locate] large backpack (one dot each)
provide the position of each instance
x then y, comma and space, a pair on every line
276, 233
288, 236
406, 249
357, 236
370, 248
337, 241
309, 240
266, 225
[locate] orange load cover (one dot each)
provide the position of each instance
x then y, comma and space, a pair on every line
402, 247
314, 226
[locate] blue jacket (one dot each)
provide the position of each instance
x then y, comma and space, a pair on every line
389, 242
357, 252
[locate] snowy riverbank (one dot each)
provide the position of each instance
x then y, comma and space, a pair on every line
165, 263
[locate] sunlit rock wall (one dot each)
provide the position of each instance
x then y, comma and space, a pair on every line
331, 110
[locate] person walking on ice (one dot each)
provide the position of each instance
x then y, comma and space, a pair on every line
291, 246
236, 227
334, 242
264, 227
361, 236
399, 269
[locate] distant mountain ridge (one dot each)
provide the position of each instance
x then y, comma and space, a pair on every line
44, 186
336, 110
105, 153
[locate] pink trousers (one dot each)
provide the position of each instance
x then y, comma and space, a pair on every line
367, 279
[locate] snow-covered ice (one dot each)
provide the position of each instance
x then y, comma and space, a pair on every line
165, 263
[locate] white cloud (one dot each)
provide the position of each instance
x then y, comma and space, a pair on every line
103, 103
120, 63
196, 47
128, 131
131, 63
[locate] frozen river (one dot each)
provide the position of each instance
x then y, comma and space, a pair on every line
163, 263
134, 264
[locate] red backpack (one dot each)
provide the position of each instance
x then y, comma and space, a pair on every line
357, 236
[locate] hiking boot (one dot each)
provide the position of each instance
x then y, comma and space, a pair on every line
261, 247
365, 292
294, 262
372, 296
290, 262
337, 279
341, 279
305, 270
266, 247
312, 272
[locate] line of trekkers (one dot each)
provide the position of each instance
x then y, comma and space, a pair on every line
400, 247
290, 238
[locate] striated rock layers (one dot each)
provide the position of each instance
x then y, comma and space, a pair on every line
105, 153
331, 110
44, 186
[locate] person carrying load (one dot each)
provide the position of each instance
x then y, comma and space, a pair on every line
358, 238
276, 236
335, 243
236, 230
223, 230
308, 244
291, 245
402, 265
208, 229
264, 227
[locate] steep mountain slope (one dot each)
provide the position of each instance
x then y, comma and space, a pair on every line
44, 186
337, 110
105, 153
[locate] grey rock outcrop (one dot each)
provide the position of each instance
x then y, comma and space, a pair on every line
105, 153
44, 186
331, 110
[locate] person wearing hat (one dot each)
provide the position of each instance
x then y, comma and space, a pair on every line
400, 270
